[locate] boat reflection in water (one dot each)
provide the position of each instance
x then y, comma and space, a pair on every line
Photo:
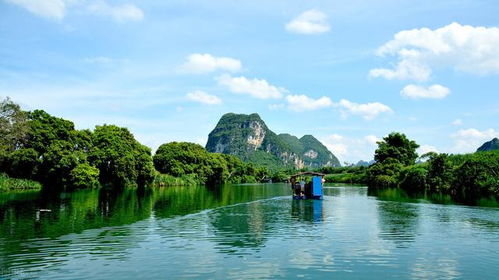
307, 210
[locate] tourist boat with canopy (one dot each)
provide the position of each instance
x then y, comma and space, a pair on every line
307, 185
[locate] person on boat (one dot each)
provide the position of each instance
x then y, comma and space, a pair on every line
297, 189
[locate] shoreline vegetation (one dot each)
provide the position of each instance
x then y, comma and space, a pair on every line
37, 149
8, 184
37, 146
465, 177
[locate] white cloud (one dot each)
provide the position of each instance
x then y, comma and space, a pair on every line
460, 47
417, 92
368, 111
120, 13
405, 70
51, 9
254, 87
468, 140
351, 149
203, 97
56, 9
335, 143
457, 122
301, 103
309, 22
372, 139
340, 150
423, 149
198, 63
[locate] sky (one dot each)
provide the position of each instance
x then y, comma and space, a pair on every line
348, 72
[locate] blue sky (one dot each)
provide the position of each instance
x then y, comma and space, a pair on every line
348, 72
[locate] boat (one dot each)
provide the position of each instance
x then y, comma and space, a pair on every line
307, 185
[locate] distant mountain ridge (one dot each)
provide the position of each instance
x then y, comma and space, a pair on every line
249, 138
489, 146
364, 163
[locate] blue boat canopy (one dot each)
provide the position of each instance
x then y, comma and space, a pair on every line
310, 190
308, 173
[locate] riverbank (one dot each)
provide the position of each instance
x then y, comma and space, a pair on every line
165, 180
14, 184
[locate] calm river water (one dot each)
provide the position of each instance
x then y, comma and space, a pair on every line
247, 231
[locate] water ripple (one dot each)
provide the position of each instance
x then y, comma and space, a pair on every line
348, 235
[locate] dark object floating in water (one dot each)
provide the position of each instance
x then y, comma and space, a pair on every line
307, 190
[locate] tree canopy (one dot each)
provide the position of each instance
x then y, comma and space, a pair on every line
121, 159
183, 158
466, 177
396, 146
13, 125
36, 145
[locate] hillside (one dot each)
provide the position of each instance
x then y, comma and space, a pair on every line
489, 146
249, 138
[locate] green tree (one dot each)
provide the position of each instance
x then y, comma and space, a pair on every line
121, 160
59, 160
83, 176
394, 152
23, 163
396, 146
414, 178
477, 176
439, 172
13, 126
13, 130
45, 129
384, 174
180, 158
217, 171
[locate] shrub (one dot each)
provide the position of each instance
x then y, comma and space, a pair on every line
83, 176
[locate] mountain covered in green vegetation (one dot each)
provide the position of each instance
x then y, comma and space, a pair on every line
249, 138
491, 145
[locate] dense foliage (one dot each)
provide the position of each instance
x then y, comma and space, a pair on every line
121, 159
396, 147
346, 174
41, 147
13, 125
181, 159
465, 177
393, 153
14, 184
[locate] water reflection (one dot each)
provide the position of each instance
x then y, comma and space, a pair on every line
398, 222
395, 194
241, 226
64, 213
307, 210
21, 218
243, 231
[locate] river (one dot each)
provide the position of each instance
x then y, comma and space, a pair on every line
244, 231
